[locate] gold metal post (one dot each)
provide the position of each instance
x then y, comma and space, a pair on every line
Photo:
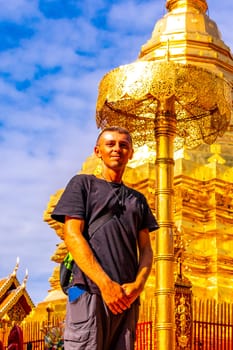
165, 130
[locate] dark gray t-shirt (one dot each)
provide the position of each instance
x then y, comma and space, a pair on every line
114, 243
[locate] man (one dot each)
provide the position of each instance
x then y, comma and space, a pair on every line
113, 262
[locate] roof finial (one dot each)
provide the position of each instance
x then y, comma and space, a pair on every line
25, 279
16, 267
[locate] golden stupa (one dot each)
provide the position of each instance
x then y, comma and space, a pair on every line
203, 175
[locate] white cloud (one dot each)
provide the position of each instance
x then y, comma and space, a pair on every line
16, 10
134, 17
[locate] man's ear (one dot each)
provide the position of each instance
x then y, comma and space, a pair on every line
97, 152
132, 152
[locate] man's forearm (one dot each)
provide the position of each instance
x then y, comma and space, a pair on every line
144, 269
83, 255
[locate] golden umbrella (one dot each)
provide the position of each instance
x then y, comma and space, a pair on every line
167, 105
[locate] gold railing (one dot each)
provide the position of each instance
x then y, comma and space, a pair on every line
212, 325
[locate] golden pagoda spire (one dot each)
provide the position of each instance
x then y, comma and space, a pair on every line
200, 5
194, 38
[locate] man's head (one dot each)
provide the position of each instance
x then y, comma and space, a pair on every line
114, 147
117, 129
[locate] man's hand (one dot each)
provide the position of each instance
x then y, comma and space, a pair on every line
132, 291
115, 297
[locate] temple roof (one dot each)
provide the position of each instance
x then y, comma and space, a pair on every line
15, 302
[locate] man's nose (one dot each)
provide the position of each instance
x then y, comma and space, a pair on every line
116, 147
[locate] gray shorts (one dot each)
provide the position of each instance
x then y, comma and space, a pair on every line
90, 325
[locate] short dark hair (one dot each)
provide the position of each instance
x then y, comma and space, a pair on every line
118, 129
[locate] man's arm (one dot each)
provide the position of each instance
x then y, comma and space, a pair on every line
112, 293
134, 289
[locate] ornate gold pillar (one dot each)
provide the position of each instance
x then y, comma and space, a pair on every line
165, 131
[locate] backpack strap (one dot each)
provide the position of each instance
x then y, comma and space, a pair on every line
99, 222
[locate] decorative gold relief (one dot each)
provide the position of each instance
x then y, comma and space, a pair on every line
183, 323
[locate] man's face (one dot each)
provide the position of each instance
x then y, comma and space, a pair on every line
114, 149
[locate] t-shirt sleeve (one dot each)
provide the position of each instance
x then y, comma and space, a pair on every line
149, 221
72, 201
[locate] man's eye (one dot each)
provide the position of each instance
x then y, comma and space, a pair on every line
124, 145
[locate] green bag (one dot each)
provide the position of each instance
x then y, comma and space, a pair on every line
66, 274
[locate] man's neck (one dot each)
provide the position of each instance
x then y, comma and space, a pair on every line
112, 176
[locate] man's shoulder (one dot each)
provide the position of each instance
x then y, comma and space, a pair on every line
88, 182
83, 178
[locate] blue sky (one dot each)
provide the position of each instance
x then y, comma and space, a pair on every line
53, 54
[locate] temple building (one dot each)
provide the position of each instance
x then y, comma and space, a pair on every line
15, 302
